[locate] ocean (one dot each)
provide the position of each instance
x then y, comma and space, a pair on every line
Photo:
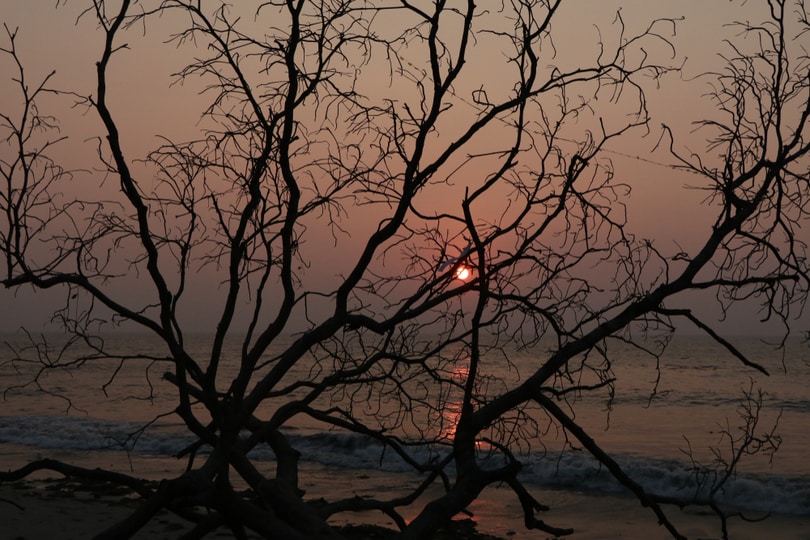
88, 415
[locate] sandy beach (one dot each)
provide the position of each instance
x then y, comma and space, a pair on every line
72, 510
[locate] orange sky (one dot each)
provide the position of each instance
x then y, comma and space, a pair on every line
147, 105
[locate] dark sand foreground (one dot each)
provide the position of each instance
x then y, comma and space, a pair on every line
71, 510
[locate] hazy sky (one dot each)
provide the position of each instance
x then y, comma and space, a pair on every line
147, 105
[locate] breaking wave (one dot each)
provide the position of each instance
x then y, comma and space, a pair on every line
571, 470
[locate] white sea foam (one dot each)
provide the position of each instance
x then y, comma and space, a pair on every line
762, 493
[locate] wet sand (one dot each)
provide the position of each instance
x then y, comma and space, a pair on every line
74, 510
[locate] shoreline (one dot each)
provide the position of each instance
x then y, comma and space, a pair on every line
50, 506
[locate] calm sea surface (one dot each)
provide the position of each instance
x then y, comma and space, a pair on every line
697, 398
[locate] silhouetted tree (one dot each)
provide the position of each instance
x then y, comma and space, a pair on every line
372, 125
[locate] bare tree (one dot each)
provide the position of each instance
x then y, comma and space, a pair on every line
505, 179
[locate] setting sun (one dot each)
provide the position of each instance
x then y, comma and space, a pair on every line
462, 273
